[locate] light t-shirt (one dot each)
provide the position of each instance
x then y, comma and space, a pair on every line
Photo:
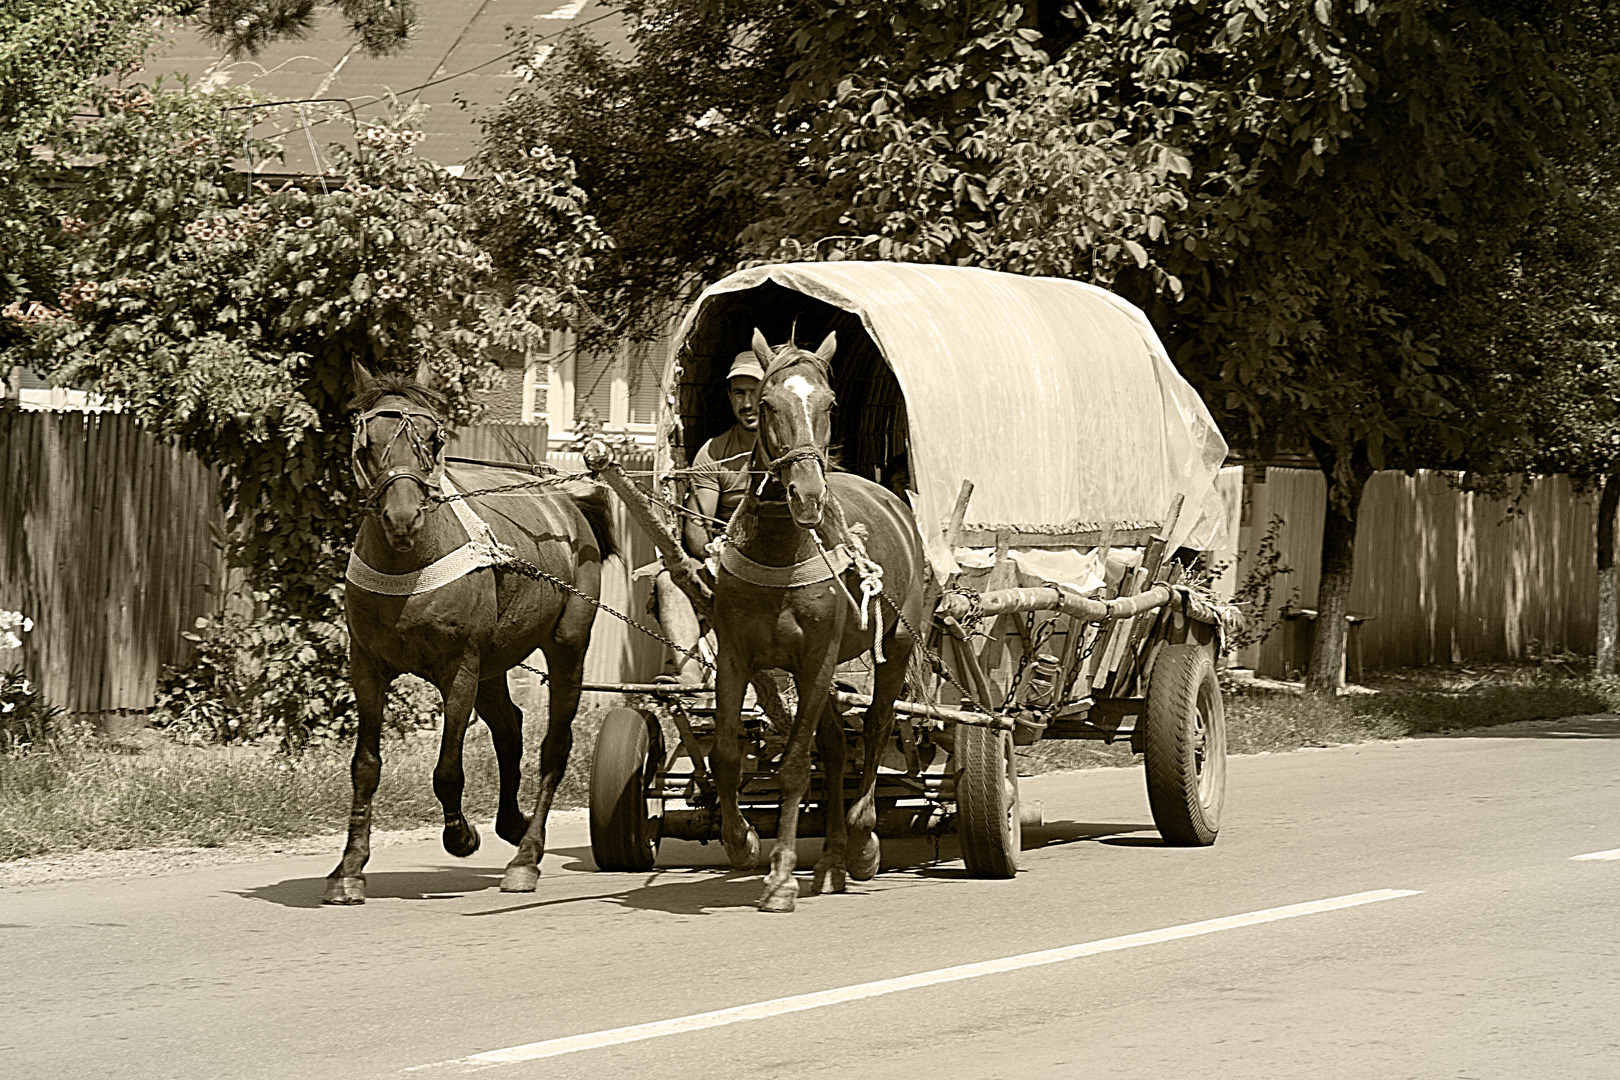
721, 465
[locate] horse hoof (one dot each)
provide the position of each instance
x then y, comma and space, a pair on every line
744, 856
459, 840
520, 878
512, 829
829, 879
780, 898
346, 891
864, 867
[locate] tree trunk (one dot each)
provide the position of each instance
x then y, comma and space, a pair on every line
1344, 488
1607, 614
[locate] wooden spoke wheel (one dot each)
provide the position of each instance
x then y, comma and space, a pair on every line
1185, 746
625, 816
988, 824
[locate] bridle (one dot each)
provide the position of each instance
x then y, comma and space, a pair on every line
774, 467
425, 449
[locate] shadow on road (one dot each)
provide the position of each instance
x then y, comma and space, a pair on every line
1598, 726
1058, 833
446, 883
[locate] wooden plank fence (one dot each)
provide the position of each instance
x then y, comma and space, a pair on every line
106, 543
500, 442
1445, 576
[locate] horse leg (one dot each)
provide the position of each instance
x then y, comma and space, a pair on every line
830, 868
781, 890
879, 726
347, 884
565, 660
460, 839
731, 684
505, 722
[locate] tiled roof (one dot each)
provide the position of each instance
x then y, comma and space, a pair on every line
459, 53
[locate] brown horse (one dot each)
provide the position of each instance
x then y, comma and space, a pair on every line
434, 590
785, 598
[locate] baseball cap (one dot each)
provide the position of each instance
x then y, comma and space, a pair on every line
745, 364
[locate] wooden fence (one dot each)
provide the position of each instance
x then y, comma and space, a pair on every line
1442, 575
106, 543
500, 442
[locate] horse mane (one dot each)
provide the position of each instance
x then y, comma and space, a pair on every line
387, 385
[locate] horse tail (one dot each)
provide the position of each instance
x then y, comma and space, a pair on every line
597, 509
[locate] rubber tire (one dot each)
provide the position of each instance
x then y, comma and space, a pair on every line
629, 753
988, 825
1185, 746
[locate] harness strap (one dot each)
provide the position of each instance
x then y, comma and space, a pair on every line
817, 568
480, 550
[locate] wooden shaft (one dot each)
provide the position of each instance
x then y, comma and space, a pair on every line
687, 572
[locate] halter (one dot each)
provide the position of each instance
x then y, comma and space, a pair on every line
425, 450
789, 356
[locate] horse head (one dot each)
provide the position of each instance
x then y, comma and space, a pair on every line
398, 435
795, 422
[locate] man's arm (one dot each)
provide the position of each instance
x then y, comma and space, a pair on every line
702, 500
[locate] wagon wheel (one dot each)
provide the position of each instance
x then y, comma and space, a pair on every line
624, 817
987, 802
1185, 746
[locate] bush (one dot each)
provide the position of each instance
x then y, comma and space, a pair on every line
27, 720
276, 676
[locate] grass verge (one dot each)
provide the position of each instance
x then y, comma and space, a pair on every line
158, 794
1276, 717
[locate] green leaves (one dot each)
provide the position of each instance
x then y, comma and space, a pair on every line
227, 311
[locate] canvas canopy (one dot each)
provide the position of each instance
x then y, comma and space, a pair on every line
1054, 397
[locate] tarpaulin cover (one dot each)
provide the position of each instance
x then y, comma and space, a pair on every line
1054, 397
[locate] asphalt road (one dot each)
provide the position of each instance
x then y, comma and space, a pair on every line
1473, 944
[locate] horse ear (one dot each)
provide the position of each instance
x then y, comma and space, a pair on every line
762, 349
424, 373
829, 345
362, 378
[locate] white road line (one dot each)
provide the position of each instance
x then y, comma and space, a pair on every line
801, 1002
1614, 854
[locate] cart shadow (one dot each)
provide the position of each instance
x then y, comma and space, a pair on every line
1060, 833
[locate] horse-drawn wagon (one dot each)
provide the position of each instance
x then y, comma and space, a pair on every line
1061, 478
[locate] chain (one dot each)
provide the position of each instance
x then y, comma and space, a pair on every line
529, 570
544, 482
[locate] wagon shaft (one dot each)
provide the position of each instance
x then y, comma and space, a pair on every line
1008, 601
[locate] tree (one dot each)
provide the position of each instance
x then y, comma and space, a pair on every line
227, 312
1302, 195
1559, 299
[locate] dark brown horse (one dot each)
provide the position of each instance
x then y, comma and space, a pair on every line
433, 592
780, 602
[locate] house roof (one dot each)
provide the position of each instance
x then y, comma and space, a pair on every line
459, 63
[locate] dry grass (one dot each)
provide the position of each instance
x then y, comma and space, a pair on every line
149, 793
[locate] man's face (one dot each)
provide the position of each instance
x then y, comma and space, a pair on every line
744, 393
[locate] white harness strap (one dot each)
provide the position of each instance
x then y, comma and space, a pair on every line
480, 550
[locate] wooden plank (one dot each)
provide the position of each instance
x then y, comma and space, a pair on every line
982, 536
953, 524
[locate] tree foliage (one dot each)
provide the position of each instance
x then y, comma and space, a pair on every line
226, 311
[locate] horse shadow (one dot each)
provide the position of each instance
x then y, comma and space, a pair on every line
690, 879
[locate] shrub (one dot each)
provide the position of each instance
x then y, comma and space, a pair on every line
277, 676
